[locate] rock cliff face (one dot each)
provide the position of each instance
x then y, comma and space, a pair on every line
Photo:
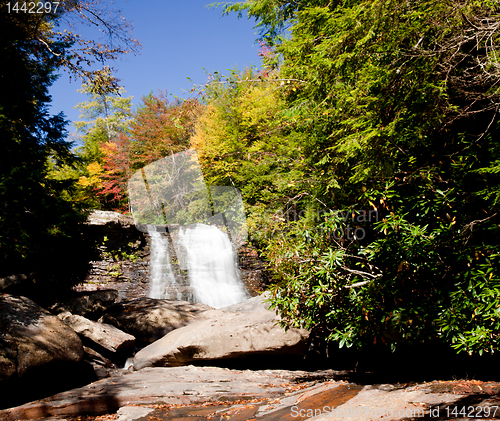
253, 269
124, 256
124, 259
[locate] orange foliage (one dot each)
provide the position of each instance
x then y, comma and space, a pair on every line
159, 128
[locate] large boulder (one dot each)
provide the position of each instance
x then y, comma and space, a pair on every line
34, 344
254, 331
100, 336
149, 319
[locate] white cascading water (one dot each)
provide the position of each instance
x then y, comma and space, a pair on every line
212, 266
162, 276
210, 260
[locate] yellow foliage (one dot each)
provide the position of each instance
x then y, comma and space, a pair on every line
236, 129
93, 181
83, 181
94, 168
108, 148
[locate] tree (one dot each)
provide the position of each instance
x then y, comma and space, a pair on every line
40, 229
397, 103
29, 137
103, 117
159, 128
240, 142
112, 39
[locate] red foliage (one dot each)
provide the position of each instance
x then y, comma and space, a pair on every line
159, 129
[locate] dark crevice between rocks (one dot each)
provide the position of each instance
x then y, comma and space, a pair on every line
294, 362
91, 305
117, 357
408, 364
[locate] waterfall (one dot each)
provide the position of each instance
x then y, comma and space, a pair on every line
212, 265
171, 195
163, 282
208, 256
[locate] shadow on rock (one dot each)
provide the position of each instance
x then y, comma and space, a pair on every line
409, 363
45, 381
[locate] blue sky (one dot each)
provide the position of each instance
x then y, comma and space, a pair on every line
179, 39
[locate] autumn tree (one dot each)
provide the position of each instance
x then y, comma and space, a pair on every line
104, 116
159, 128
241, 142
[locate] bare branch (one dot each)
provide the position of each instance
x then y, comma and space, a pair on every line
358, 284
470, 225
48, 47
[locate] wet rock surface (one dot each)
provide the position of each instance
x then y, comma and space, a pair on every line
209, 393
163, 386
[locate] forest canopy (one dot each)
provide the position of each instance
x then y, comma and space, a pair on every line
393, 107
366, 150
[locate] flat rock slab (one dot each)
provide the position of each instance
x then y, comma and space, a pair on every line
324, 401
131, 413
173, 385
208, 393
